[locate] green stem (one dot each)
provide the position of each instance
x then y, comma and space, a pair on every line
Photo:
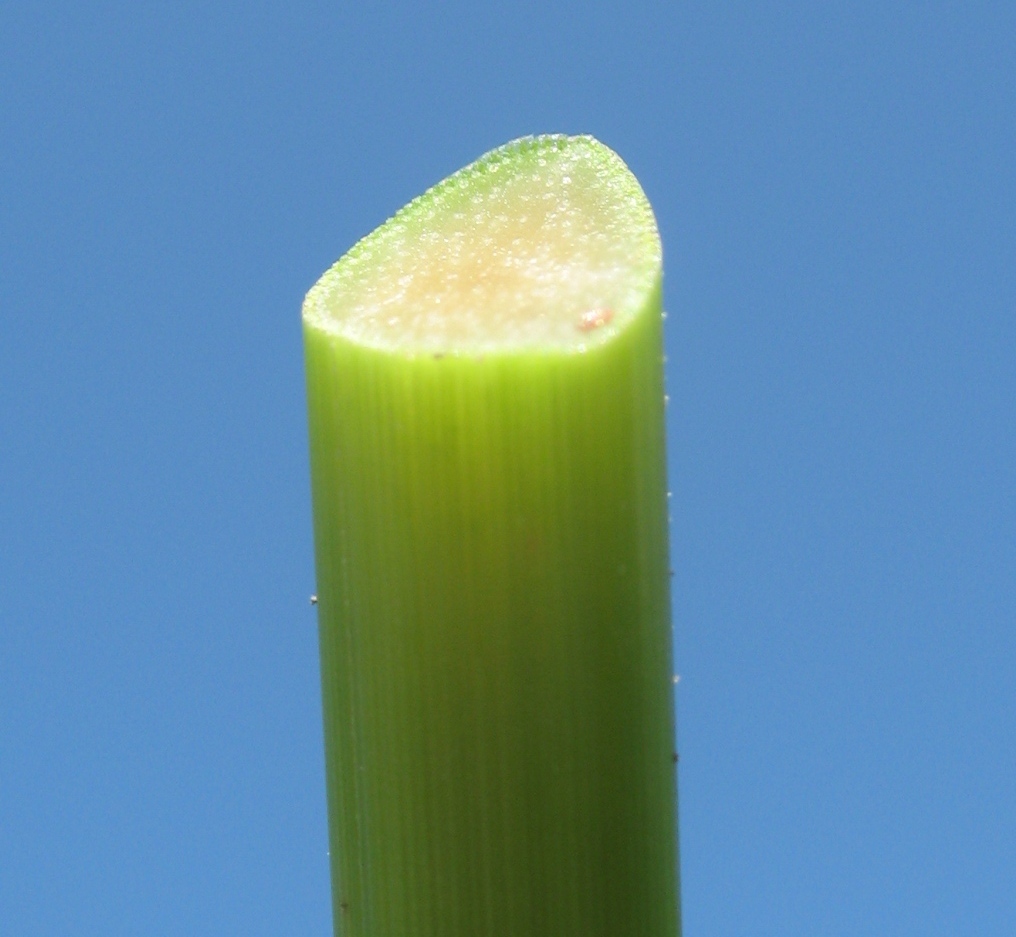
491, 540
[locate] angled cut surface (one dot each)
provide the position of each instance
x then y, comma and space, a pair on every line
547, 243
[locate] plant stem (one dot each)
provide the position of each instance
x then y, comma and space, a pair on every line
493, 598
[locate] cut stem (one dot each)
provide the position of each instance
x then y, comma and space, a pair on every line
485, 387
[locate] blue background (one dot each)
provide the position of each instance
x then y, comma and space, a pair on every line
836, 191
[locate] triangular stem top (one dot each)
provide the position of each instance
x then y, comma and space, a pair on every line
545, 244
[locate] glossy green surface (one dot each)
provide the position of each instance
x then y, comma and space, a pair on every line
492, 571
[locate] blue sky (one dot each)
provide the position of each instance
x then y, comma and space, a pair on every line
835, 188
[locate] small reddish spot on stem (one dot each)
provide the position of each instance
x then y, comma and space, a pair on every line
595, 318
